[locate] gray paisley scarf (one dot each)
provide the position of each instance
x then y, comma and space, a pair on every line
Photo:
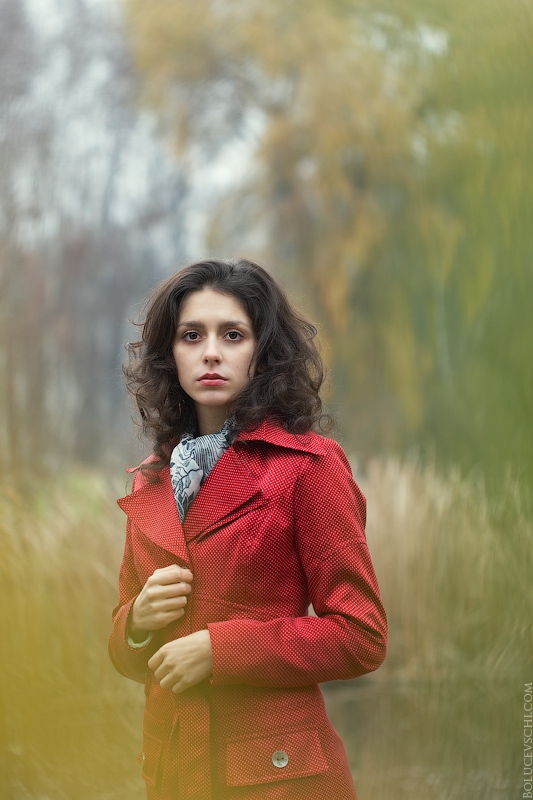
193, 459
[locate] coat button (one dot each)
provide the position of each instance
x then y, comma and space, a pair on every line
143, 759
280, 758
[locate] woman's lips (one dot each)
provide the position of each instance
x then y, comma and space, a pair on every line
212, 380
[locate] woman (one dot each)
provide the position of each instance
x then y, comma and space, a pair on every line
241, 517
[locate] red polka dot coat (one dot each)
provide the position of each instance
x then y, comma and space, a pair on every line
279, 523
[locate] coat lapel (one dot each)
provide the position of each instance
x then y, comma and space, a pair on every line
153, 510
229, 491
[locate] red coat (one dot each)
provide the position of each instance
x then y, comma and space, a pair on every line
279, 523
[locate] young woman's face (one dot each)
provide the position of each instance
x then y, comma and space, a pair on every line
213, 351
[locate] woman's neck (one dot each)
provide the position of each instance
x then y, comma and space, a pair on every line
210, 419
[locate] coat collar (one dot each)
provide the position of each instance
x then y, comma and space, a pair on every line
272, 432
230, 490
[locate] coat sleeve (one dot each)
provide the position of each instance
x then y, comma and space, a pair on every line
348, 637
129, 661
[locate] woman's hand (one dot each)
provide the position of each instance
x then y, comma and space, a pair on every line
182, 663
161, 601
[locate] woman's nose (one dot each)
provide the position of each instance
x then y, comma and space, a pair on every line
211, 350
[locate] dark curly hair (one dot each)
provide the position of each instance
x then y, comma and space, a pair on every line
288, 374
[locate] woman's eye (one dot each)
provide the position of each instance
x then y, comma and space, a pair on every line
234, 335
191, 336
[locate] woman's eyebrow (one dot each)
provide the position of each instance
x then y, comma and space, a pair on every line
230, 323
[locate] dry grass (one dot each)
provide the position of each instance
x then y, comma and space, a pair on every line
455, 570
439, 719
455, 573
70, 724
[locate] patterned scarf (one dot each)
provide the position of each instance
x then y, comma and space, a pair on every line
193, 459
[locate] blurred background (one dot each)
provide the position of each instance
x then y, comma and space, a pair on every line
377, 158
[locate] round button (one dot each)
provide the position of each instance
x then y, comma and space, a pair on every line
280, 758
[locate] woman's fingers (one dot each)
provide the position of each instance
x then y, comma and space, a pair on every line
183, 662
169, 681
157, 594
163, 614
172, 602
170, 606
162, 599
164, 667
156, 660
174, 589
171, 574
165, 606
172, 616
170, 677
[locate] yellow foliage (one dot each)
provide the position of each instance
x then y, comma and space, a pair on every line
391, 176
404, 362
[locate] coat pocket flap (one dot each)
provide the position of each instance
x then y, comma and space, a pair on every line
277, 757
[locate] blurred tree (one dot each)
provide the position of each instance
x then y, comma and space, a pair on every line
80, 238
392, 178
333, 154
460, 252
